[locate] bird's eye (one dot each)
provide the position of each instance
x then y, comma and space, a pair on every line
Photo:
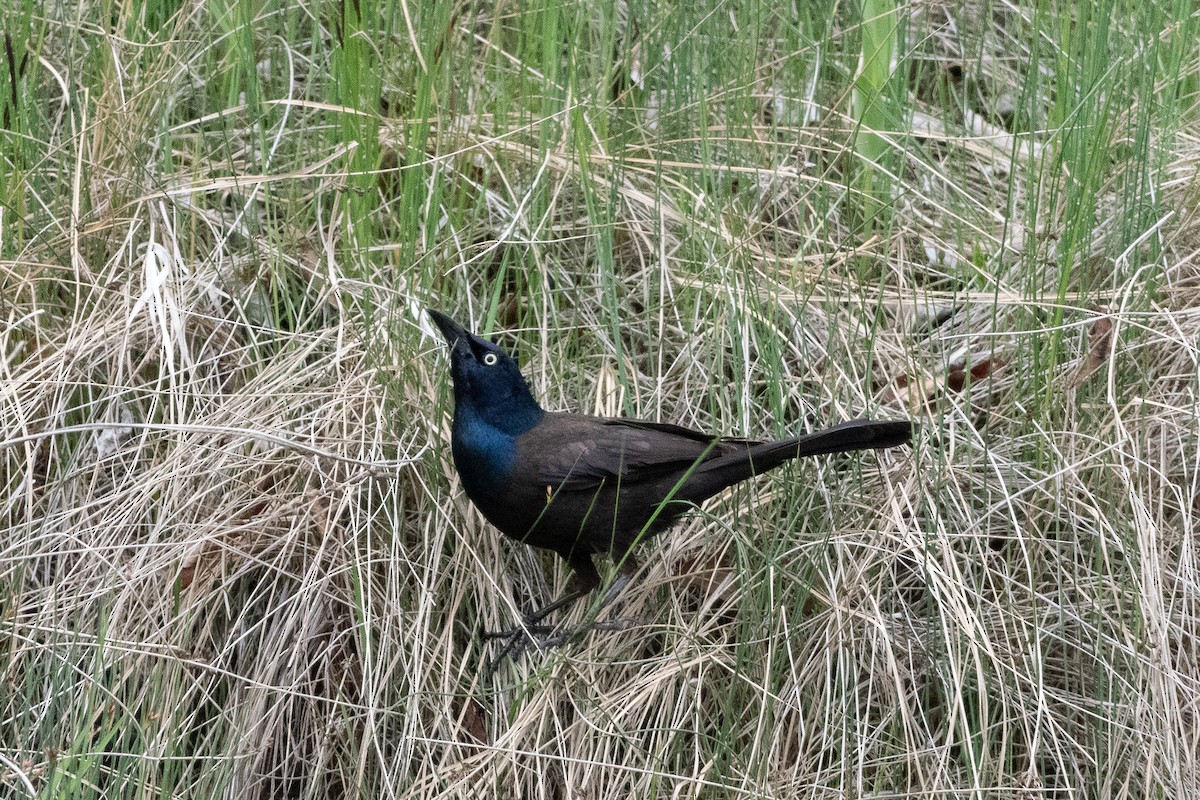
490, 359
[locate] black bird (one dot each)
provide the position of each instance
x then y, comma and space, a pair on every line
582, 485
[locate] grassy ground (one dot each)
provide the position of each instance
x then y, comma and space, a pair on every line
234, 557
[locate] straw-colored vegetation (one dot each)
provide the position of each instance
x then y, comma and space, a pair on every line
234, 558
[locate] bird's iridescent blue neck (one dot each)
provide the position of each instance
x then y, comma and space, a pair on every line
484, 443
510, 415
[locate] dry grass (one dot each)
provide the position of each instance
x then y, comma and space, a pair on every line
235, 560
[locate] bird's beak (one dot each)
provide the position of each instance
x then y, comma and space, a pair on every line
456, 335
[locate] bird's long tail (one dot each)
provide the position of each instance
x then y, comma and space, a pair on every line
859, 434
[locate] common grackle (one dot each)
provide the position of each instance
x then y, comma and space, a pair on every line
582, 485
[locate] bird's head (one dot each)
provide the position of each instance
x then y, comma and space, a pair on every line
487, 381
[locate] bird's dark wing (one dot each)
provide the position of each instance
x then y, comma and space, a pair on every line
678, 431
580, 452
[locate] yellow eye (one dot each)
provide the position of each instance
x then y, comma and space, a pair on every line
490, 359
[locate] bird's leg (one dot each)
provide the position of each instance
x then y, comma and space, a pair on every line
529, 622
583, 582
627, 566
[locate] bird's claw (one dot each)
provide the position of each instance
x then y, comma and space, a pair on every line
534, 636
528, 629
517, 641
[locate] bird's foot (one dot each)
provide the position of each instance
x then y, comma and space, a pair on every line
562, 636
517, 641
531, 630
534, 636
530, 634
